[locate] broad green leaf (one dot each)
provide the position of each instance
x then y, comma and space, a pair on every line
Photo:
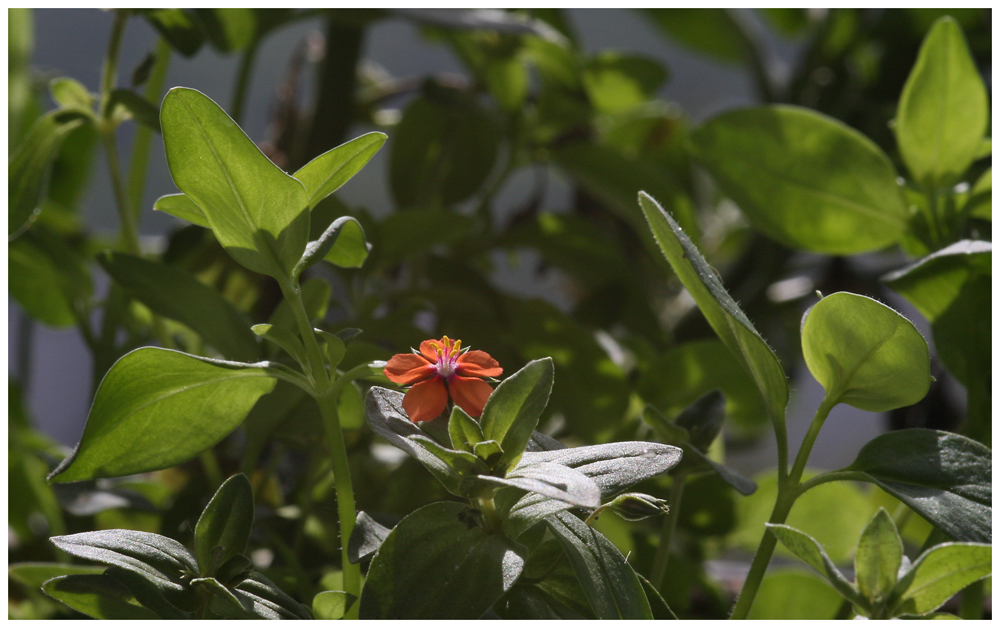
331, 604
225, 523
548, 588
442, 150
943, 111
156, 408
944, 477
38, 284
804, 179
176, 294
147, 593
464, 431
721, 311
462, 463
616, 82
267, 600
865, 354
258, 213
512, 411
29, 167
350, 407
325, 174
98, 596
807, 549
33, 575
283, 338
124, 103
70, 93
878, 557
366, 537
181, 206
794, 594
612, 588
343, 244
554, 481
222, 601
940, 573
435, 566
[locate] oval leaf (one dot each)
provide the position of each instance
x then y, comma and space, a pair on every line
878, 557
225, 523
865, 354
258, 213
156, 408
804, 179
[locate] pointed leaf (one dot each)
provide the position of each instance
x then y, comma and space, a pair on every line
554, 481
865, 354
366, 538
158, 407
878, 557
136, 107
267, 600
325, 174
33, 575
343, 243
512, 411
258, 213
940, 573
807, 549
464, 431
944, 477
146, 593
335, 348
98, 596
70, 93
178, 295
725, 317
283, 338
434, 566
943, 111
226, 523
806, 180
181, 206
488, 451
612, 587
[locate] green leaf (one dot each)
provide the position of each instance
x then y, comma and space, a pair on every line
325, 174
434, 566
98, 596
332, 604
33, 575
980, 203
721, 311
38, 283
181, 206
940, 573
225, 523
807, 549
804, 179
878, 557
29, 167
342, 244
156, 408
512, 411
178, 27
616, 82
865, 354
612, 588
554, 481
794, 594
944, 477
709, 31
258, 213
464, 431
223, 601
267, 600
283, 338
229, 30
334, 347
366, 538
943, 111
70, 93
146, 593
178, 295
489, 451
127, 104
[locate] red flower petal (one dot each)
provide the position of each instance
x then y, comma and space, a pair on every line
469, 393
408, 368
426, 400
428, 351
478, 364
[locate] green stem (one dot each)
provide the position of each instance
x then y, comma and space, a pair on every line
139, 158
345, 490
788, 492
243, 82
317, 375
667, 533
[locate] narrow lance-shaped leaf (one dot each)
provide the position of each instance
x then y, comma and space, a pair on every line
513, 410
157, 407
729, 322
325, 174
225, 523
257, 212
181, 206
98, 596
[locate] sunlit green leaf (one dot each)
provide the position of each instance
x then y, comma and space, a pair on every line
616, 82
512, 411
331, 604
181, 206
70, 93
878, 557
325, 174
940, 573
794, 594
807, 549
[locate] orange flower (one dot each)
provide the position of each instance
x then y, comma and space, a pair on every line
441, 369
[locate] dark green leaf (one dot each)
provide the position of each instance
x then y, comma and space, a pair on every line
721, 311
98, 596
865, 354
134, 106
611, 585
944, 477
489, 451
940, 573
283, 338
703, 419
325, 174
980, 203
733, 478
225, 523
33, 575
512, 411
944, 109
366, 538
177, 27
331, 604
39, 284
710, 31
223, 601
878, 557
29, 167
333, 346
434, 566
147, 593
176, 294
804, 179
258, 213
181, 206
464, 431
229, 30
267, 600
807, 549
156, 408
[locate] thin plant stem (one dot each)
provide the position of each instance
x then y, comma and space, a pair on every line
243, 82
139, 157
662, 557
788, 492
